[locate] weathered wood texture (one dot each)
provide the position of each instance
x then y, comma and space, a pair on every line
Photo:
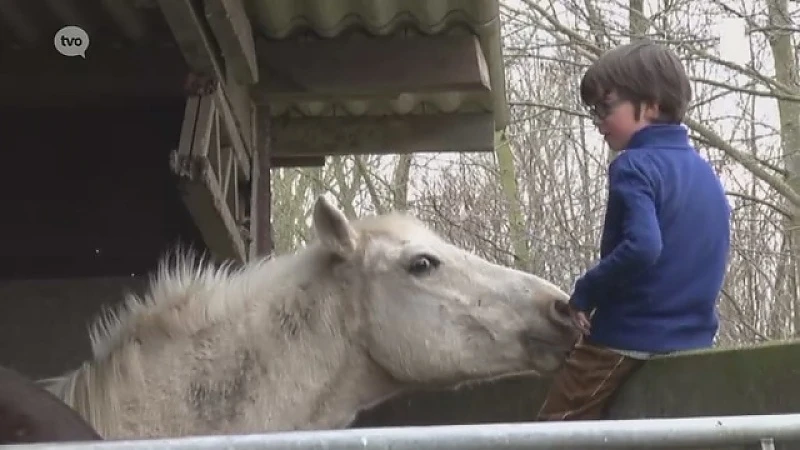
319, 136
261, 211
210, 175
366, 67
231, 26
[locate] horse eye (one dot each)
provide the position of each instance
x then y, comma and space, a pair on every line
423, 264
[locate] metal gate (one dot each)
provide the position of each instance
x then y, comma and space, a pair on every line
755, 431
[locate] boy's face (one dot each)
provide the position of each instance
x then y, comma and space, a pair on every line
616, 120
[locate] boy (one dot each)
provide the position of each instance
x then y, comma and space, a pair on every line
665, 240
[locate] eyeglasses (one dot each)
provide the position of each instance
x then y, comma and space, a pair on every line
600, 111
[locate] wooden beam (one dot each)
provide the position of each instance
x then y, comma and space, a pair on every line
196, 41
263, 242
201, 189
231, 26
297, 161
241, 146
384, 66
191, 36
202, 49
303, 137
204, 199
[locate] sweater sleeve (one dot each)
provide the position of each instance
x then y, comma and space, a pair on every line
641, 243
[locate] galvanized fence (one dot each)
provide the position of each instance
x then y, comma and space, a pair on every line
756, 431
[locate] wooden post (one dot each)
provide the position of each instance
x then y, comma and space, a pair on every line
261, 211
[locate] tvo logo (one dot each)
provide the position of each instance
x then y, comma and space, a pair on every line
71, 41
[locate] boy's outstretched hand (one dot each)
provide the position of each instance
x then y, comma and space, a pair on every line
580, 319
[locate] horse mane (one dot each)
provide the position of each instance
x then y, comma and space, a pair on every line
186, 294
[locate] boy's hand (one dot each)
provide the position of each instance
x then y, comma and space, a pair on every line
581, 320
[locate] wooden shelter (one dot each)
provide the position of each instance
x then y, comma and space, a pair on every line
261, 84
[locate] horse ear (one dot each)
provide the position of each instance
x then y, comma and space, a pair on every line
333, 229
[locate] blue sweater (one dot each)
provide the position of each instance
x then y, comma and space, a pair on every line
664, 248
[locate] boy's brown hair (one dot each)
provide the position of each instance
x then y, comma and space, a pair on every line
640, 72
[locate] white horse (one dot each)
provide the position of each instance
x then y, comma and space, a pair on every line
305, 340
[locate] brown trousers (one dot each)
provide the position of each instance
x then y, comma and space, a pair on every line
587, 382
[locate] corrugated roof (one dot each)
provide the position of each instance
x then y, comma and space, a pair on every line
137, 28
281, 18
291, 19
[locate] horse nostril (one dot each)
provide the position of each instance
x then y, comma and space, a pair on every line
561, 309
563, 317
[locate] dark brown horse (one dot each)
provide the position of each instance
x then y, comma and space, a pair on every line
28, 414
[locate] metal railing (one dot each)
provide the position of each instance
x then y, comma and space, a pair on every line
709, 432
